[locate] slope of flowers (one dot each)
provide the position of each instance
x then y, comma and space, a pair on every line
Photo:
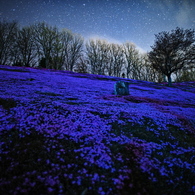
66, 133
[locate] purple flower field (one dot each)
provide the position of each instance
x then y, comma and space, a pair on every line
67, 133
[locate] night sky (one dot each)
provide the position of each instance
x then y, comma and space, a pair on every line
117, 21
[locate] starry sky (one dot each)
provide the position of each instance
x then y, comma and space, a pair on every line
117, 21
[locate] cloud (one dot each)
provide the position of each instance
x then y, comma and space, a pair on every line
185, 13
103, 37
181, 11
112, 40
141, 50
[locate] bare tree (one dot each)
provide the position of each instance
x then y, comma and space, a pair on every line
132, 60
71, 49
109, 62
148, 73
56, 59
92, 55
26, 47
186, 74
113, 59
45, 37
8, 33
81, 65
97, 54
116, 59
173, 51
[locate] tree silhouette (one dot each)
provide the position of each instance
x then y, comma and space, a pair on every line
8, 35
173, 51
45, 37
25, 44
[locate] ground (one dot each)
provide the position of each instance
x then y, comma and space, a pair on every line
67, 133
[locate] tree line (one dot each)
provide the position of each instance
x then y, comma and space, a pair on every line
45, 46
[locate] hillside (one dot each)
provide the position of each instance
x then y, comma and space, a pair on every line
66, 133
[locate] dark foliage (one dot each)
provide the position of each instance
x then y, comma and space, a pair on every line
7, 103
173, 51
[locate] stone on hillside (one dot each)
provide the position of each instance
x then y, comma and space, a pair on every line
121, 88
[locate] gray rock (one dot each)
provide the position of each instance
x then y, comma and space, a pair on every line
121, 88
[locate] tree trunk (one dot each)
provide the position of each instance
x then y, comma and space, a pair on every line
169, 80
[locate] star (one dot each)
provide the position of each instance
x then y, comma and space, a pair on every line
135, 20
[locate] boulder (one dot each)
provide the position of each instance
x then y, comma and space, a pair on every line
121, 88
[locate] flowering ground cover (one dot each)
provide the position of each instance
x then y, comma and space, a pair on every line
67, 133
